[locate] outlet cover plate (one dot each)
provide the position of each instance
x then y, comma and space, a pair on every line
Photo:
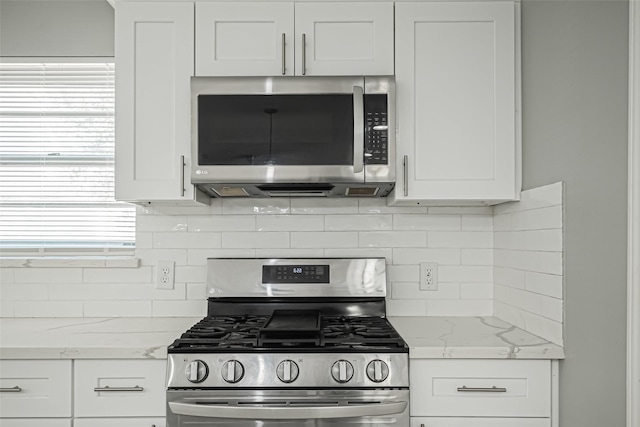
165, 275
428, 276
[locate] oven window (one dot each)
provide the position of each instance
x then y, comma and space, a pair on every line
275, 129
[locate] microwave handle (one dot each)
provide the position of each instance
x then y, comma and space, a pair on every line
358, 129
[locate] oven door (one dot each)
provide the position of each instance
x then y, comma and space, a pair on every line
292, 408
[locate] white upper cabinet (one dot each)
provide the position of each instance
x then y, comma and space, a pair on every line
154, 64
458, 135
271, 39
250, 39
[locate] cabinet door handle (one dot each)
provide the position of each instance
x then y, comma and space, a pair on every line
405, 174
107, 388
181, 168
284, 54
493, 389
14, 389
304, 54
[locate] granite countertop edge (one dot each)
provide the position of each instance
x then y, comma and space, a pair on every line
148, 338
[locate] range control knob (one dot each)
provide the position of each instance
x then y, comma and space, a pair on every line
342, 371
287, 371
232, 371
377, 371
197, 371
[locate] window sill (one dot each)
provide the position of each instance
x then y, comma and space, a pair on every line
65, 262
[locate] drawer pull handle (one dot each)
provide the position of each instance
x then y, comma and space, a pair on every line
14, 389
107, 388
493, 389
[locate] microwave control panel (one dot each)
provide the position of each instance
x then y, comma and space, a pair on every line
376, 143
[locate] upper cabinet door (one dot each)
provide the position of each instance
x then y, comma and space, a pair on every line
344, 38
154, 64
458, 138
244, 39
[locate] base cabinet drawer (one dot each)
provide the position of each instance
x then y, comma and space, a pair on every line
120, 422
481, 388
119, 388
35, 422
479, 422
35, 388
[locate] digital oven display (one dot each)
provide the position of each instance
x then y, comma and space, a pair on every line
295, 274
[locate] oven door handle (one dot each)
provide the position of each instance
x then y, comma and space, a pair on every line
287, 412
358, 129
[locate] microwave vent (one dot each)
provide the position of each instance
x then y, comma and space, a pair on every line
362, 191
230, 192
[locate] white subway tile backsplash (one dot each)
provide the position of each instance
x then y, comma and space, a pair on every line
408, 307
459, 307
290, 223
477, 256
395, 239
23, 292
48, 275
477, 223
465, 273
403, 273
118, 275
378, 205
460, 239
402, 290
256, 206
156, 223
324, 206
416, 221
253, 240
324, 239
545, 284
543, 240
476, 291
187, 240
358, 222
417, 255
185, 308
386, 253
504, 261
198, 257
290, 253
48, 309
222, 223
537, 219
118, 308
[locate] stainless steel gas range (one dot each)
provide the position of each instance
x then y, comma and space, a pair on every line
293, 342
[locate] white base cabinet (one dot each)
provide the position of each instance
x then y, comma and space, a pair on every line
35, 388
126, 388
35, 422
458, 127
482, 393
479, 422
120, 422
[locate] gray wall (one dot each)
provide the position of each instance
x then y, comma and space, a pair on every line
575, 67
56, 28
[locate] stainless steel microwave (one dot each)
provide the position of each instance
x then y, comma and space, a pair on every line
293, 136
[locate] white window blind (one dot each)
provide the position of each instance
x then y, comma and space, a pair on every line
57, 161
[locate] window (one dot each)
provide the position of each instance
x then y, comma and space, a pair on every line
57, 162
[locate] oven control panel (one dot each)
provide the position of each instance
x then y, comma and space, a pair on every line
282, 370
297, 273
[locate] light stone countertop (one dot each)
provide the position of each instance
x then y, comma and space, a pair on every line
148, 338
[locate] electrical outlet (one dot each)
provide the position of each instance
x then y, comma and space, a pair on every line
428, 276
165, 274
